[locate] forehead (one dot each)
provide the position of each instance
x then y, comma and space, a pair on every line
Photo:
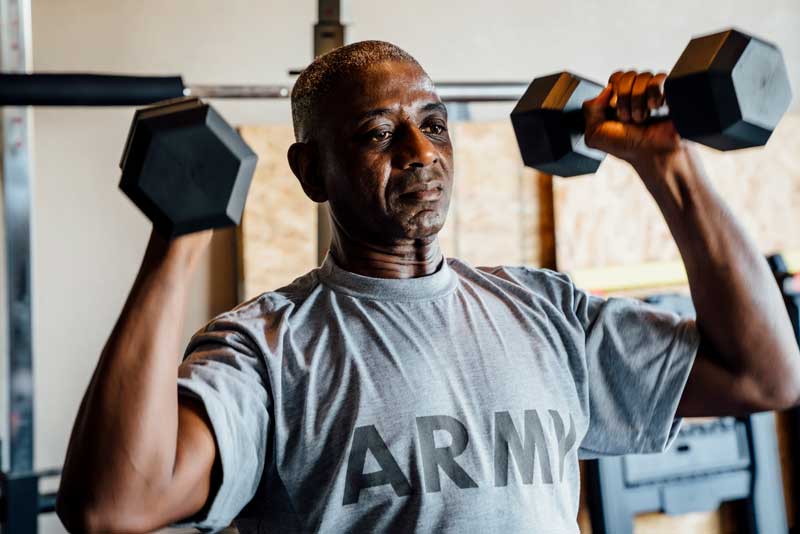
387, 85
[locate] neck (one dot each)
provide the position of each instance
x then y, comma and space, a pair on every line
404, 258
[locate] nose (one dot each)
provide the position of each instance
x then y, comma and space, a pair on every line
415, 150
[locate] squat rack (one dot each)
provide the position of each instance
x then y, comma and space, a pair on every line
19, 89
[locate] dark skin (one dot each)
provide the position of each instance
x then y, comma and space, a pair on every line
383, 161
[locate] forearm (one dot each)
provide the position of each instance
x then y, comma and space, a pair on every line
123, 444
739, 307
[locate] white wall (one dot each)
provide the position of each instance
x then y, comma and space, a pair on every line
88, 238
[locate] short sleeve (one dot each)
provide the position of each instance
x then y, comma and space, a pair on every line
638, 359
224, 370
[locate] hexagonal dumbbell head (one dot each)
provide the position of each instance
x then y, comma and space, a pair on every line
186, 168
548, 122
728, 90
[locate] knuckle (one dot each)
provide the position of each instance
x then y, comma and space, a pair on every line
589, 139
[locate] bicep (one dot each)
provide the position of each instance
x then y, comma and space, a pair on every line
196, 475
637, 360
712, 390
222, 428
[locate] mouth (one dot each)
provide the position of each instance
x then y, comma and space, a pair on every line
427, 192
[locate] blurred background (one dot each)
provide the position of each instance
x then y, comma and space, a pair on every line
88, 238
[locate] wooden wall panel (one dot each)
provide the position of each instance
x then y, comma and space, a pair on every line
487, 195
609, 219
278, 235
502, 211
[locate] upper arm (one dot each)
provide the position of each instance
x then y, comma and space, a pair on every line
197, 474
714, 390
637, 360
223, 427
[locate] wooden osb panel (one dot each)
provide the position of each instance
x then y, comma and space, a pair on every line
610, 219
501, 212
538, 224
278, 234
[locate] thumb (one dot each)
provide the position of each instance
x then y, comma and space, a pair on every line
594, 110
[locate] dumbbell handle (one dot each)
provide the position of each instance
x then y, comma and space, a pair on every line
576, 120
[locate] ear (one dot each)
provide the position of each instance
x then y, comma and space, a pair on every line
304, 162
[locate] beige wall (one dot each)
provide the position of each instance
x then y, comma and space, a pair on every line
88, 238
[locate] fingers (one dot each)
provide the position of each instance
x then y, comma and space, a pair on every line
613, 80
635, 94
639, 110
622, 86
594, 110
655, 91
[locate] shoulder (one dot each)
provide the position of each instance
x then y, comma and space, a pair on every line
542, 282
270, 306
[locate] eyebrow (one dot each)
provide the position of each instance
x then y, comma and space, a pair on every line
431, 106
373, 113
435, 106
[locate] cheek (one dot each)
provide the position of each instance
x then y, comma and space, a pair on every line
371, 177
447, 158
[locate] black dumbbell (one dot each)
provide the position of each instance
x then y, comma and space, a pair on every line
728, 90
185, 167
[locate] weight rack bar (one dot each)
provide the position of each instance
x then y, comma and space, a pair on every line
82, 89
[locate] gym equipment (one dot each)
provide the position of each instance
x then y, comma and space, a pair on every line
728, 90
186, 168
789, 284
709, 463
76, 89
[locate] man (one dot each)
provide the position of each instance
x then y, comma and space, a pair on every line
391, 390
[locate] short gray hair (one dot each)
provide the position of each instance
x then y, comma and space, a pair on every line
328, 69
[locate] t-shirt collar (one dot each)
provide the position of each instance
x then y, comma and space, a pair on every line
438, 284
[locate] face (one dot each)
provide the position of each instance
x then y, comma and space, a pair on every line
385, 154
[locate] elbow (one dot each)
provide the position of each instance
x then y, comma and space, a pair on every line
80, 516
787, 395
780, 393
787, 389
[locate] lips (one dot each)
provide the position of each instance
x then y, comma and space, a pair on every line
429, 195
426, 192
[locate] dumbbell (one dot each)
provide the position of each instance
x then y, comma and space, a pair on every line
185, 167
728, 90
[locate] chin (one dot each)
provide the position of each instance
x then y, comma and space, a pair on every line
424, 224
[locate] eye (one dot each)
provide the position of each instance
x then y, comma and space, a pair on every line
380, 135
435, 129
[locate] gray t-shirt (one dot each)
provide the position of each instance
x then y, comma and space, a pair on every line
456, 402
